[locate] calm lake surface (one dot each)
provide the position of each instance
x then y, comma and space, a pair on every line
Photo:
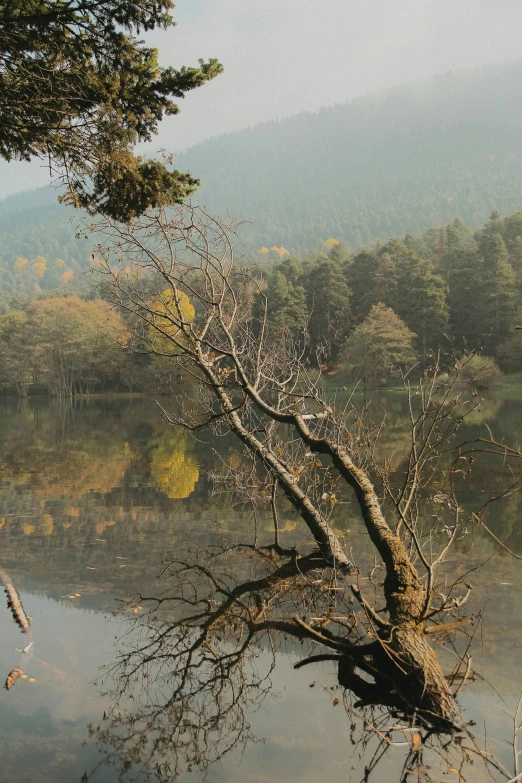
94, 493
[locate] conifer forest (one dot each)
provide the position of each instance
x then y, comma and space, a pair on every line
260, 391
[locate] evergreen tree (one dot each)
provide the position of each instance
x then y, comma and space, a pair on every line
467, 327
379, 347
286, 303
78, 89
338, 253
497, 285
329, 305
361, 276
420, 298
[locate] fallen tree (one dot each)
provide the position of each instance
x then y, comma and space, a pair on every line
299, 448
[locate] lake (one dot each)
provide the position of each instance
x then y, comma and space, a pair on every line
94, 494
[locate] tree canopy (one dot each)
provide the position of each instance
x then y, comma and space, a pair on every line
379, 346
78, 89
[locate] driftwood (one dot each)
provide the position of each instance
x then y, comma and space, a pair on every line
15, 606
14, 603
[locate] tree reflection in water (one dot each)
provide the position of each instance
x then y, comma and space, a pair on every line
198, 663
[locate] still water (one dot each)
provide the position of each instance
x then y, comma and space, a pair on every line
94, 493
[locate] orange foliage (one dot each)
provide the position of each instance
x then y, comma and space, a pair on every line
67, 276
101, 526
281, 251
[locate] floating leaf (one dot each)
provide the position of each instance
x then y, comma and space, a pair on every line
12, 677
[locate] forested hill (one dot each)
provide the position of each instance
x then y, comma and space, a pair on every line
38, 247
35, 223
383, 165
388, 164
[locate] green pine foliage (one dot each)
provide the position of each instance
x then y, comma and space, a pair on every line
79, 89
455, 290
379, 348
329, 308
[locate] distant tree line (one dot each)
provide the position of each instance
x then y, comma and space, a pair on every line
449, 290
371, 313
64, 346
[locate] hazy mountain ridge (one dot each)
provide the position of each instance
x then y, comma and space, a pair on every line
386, 164
391, 163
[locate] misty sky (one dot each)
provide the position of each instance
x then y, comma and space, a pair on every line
285, 56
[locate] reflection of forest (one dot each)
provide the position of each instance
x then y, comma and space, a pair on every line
94, 495
79, 480
84, 484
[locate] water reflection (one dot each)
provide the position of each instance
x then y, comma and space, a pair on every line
93, 496
173, 466
191, 675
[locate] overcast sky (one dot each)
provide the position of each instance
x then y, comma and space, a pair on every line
285, 56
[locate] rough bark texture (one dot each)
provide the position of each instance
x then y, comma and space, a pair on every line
405, 668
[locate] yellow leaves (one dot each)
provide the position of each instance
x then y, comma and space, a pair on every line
100, 527
20, 263
73, 511
330, 242
416, 741
176, 308
74, 595
28, 529
281, 251
39, 269
329, 496
59, 262
172, 311
173, 468
47, 524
